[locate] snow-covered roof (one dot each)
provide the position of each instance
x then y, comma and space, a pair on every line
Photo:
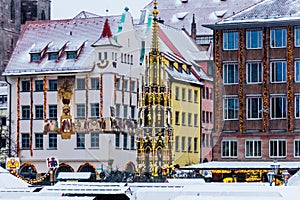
78, 34
179, 14
266, 12
242, 165
9, 181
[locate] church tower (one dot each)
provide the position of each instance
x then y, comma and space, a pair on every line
155, 135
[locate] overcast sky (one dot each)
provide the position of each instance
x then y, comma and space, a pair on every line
66, 9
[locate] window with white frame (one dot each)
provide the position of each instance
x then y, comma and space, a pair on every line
25, 141
117, 140
253, 148
278, 72
94, 140
125, 141
277, 148
118, 110
125, 111
229, 148
52, 140
195, 120
118, 84
297, 36
195, 144
254, 72
189, 119
94, 83
297, 71
254, 107
254, 39
230, 107
183, 118
80, 110
278, 38
95, 110
230, 40
183, 98
80, 140
177, 93
297, 106
230, 73
125, 85
183, 143
177, 143
39, 140
80, 83
297, 148
278, 106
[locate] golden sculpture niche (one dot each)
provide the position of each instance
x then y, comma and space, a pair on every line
65, 95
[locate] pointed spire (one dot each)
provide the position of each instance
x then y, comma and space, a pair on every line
106, 30
155, 42
193, 28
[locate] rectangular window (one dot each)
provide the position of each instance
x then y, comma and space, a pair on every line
94, 140
195, 96
95, 110
183, 143
230, 73
125, 111
297, 71
189, 95
25, 86
207, 117
183, 119
203, 116
195, 144
278, 38
207, 93
254, 107
80, 110
183, 94
118, 110
278, 107
277, 148
52, 140
25, 112
297, 148
297, 36
53, 56
278, 72
39, 112
125, 85
177, 118
39, 140
80, 84
80, 140
177, 143
189, 119
35, 57
52, 85
117, 141
94, 83
253, 148
52, 111
297, 106
189, 144
229, 148
125, 141
254, 39
25, 141
118, 84
132, 112
177, 93
132, 86
39, 85
71, 55
230, 40
195, 120
132, 142
231, 107
254, 72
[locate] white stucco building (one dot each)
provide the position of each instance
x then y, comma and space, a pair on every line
83, 73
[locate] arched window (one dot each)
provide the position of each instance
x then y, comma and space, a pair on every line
12, 11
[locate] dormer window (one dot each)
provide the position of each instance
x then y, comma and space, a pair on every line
35, 57
53, 56
71, 55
